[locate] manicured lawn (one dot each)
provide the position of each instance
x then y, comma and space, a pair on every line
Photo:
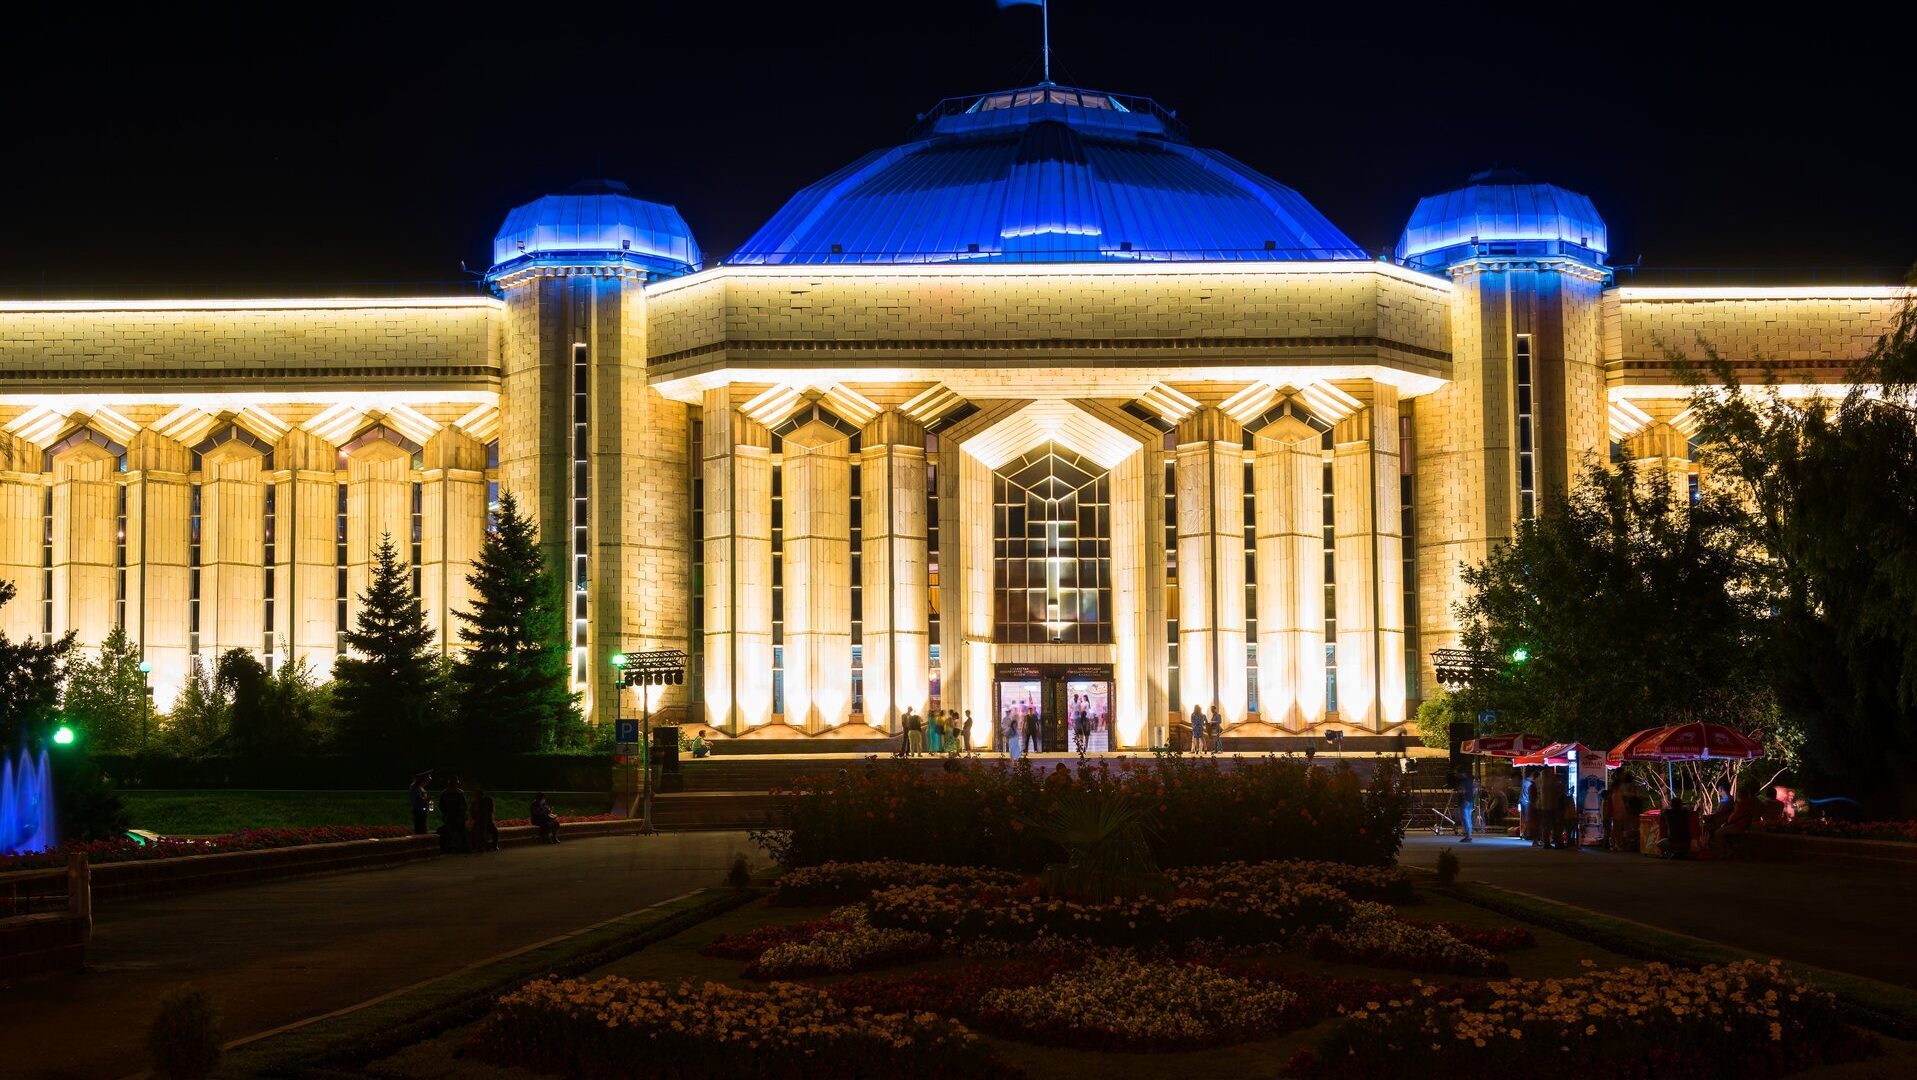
211, 812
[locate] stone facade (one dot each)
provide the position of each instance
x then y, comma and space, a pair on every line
216, 475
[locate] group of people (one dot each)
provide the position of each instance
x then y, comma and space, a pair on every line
467, 821
1207, 734
1550, 816
942, 731
1549, 813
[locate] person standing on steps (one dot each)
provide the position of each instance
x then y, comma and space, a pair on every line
1197, 739
1217, 728
422, 801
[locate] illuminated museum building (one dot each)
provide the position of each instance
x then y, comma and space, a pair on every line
1045, 403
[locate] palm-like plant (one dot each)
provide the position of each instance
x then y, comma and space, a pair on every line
1107, 845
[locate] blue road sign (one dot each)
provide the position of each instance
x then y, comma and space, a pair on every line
1487, 716
627, 731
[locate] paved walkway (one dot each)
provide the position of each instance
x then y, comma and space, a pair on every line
1851, 918
275, 953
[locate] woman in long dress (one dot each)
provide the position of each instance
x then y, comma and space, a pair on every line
1014, 738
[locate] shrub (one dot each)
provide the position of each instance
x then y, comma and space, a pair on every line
613, 1026
1742, 1019
739, 875
185, 1037
1119, 1002
852, 882
1447, 867
1202, 812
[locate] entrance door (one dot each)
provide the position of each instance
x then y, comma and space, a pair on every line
1021, 708
1088, 705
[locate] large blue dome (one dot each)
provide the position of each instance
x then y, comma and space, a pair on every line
1046, 174
596, 220
1502, 213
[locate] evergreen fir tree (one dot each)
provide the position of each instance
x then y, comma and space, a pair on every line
388, 691
512, 679
106, 696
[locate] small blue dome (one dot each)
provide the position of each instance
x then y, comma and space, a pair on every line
596, 220
1503, 213
1046, 174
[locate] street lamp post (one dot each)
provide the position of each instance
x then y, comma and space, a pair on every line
146, 698
658, 667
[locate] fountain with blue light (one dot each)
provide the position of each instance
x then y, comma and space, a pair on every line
26, 804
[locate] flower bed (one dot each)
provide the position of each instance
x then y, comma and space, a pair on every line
850, 883
1744, 1019
1119, 1002
1386, 885
124, 849
749, 945
1375, 935
858, 947
613, 1026
1495, 939
1902, 832
1202, 813
1270, 913
952, 992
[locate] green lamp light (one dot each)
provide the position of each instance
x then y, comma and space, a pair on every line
63, 735
1520, 654
618, 659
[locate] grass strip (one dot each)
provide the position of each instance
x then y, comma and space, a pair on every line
1880, 1006
343, 1044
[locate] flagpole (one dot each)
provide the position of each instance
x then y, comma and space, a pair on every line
1045, 18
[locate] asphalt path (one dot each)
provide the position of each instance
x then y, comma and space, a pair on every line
1848, 917
280, 952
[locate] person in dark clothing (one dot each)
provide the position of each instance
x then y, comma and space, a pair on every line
485, 828
1196, 741
1034, 733
453, 836
1215, 739
1677, 829
544, 819
422, 801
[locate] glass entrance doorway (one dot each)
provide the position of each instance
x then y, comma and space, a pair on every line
1049, 707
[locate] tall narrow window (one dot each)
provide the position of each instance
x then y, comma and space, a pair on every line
1408, 529
696, 535
1052, 549
581, 507
1331, 589
46, 567
1527, 435
193, 572
932, 565
857, 574
119, 560
268, 527
419, 536
341, 598
778, 577
1251, 581
1171, 575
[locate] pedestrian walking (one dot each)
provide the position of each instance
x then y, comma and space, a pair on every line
453, 837
1467, 803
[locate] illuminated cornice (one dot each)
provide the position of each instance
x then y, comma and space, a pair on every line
1221, 270
1655, 293
1487, 264
1102, 380
327, 304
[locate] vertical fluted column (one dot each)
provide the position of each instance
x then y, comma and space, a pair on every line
453, 528
379, 503
306, 520
232, 543
1288, 486
1367, 533
1211, 563
897, 655
85, 506
738, 566
23, 495
159, 506
818, 577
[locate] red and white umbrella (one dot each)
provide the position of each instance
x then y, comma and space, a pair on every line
1623, 753
1687, 742
1555, 754
1510, 746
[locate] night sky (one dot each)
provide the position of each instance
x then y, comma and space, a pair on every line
246, 151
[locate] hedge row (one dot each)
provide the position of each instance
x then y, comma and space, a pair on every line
503, 772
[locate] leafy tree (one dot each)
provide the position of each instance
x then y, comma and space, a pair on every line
1829, 486
199, 717
273, 714
389, 692
106, 696
512, 679
1437, 713
30, 674
1616, 611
